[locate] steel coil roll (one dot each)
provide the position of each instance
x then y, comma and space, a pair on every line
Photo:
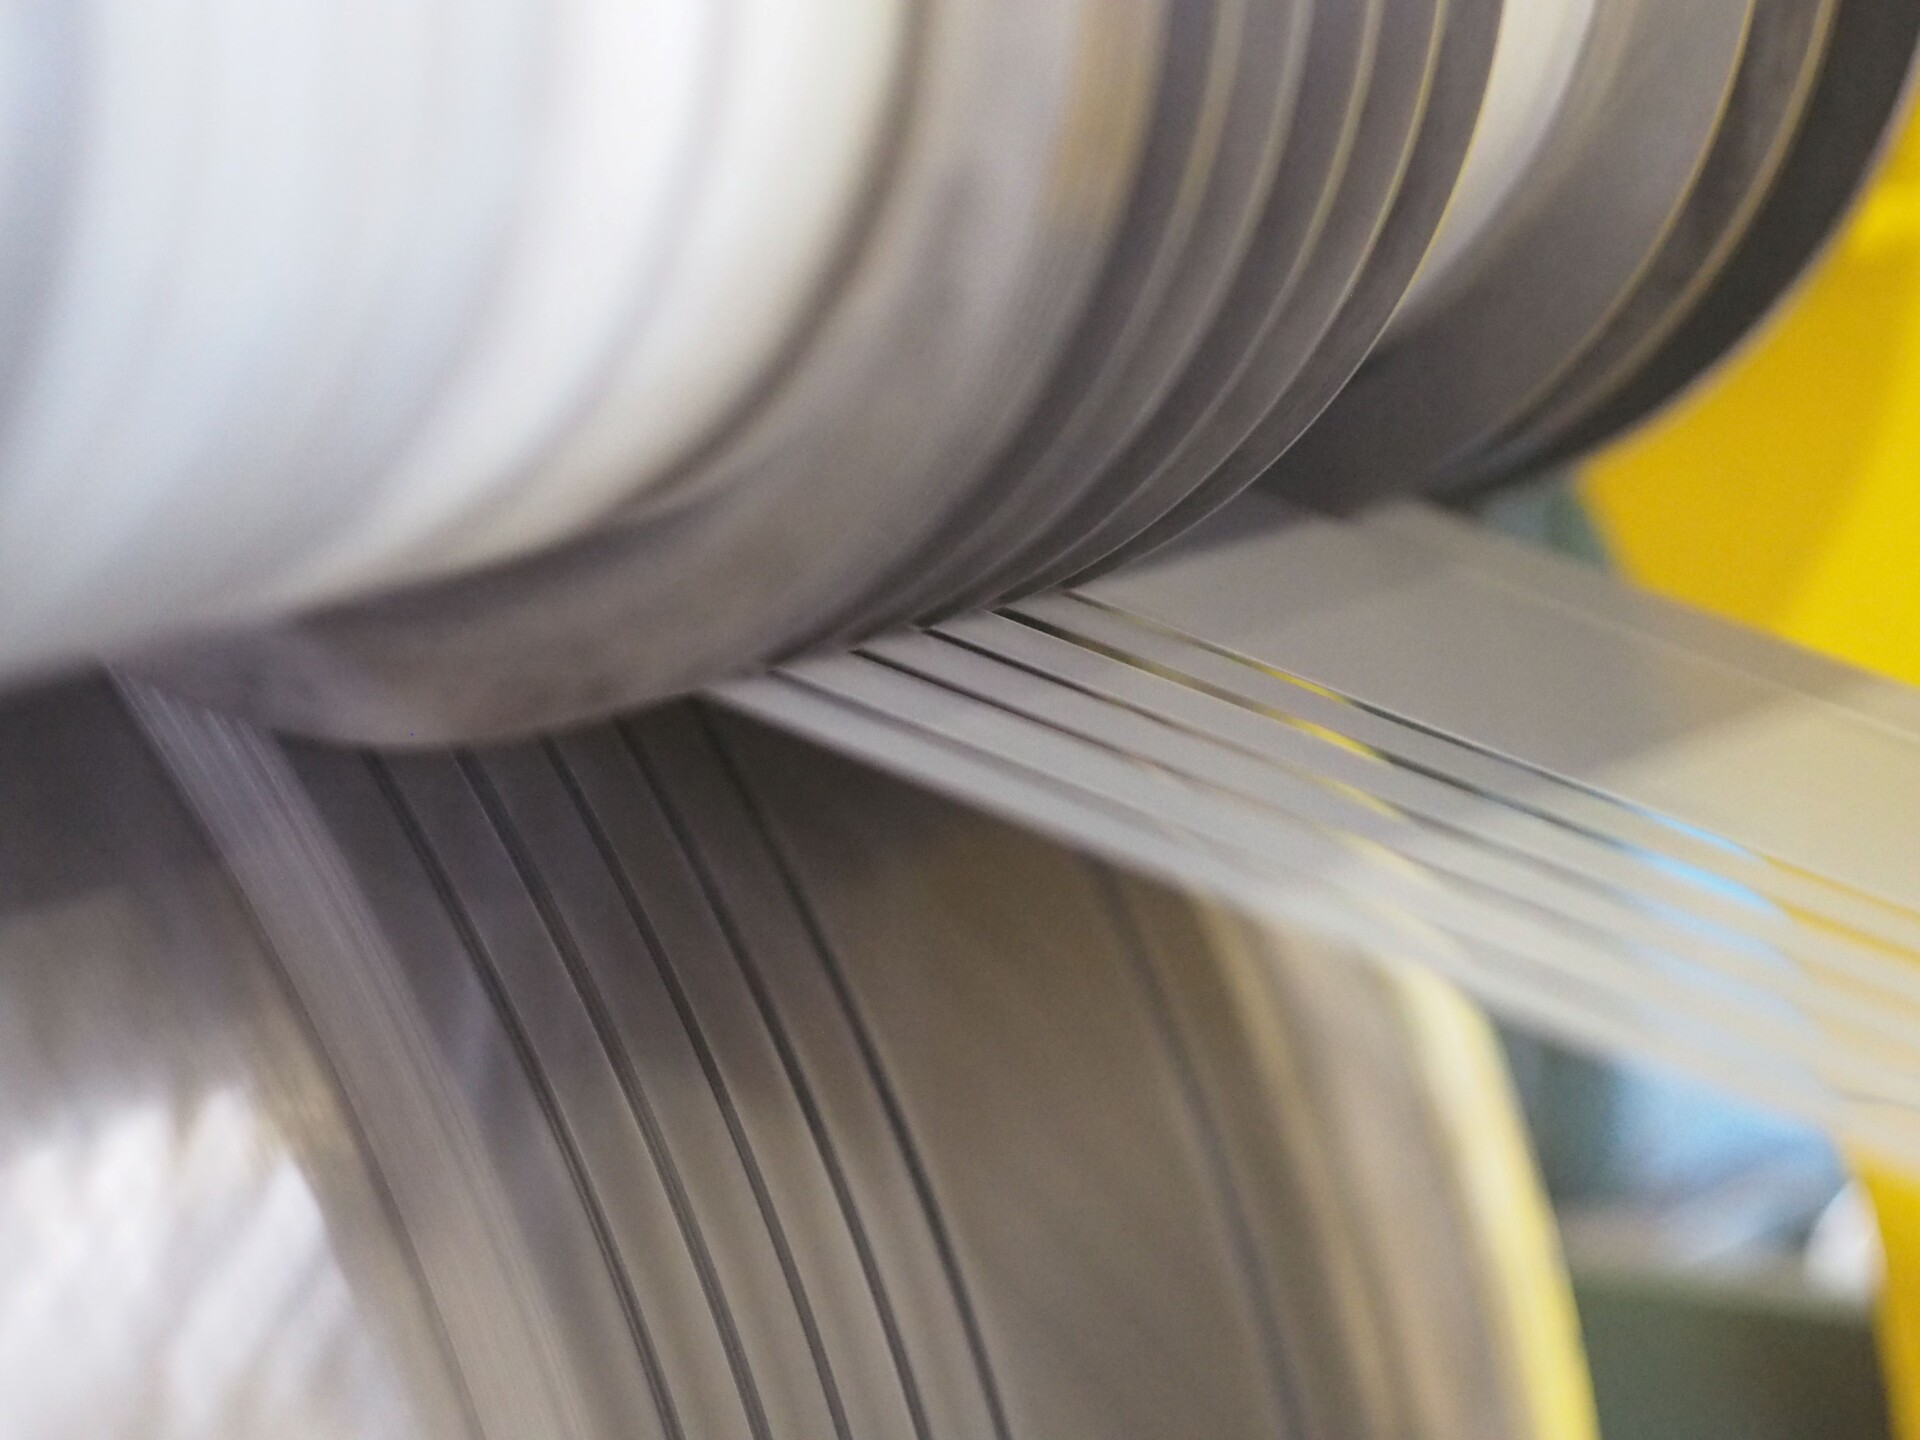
419, 373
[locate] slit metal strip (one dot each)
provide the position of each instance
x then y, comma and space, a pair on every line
543, 1023
1512, 877
1509, 788
1565, 1006
786, 975
1288, 843
1248, 716
664, 1025
1669, 726
1278, 1231
523, 1115
952, 1282
1052, 1128
840, 1314
666, 1249
1661, 885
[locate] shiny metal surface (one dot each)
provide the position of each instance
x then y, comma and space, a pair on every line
1229, 75
1248, 326
1868, 78
1627, 144
1271, 55
1785, 51
674, 1077
1115, 264
1014, 155
1025, 1025
195, 1242
1464, 55
1406, 734
1384, 128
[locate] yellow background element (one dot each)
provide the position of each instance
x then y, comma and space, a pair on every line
1896, 1200
1786, 493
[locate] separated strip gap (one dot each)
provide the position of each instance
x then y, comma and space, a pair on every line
756, 1180
1418, 817
1768, 864
621, 1060
883, 1088
1224, 870
810, 1108
484, 966
1207, 792
1792, 984
655, 947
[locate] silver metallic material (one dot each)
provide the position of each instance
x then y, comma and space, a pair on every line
677, 1078
1779, 66
1627, 146
1628, 824
1116, 265
1829, 163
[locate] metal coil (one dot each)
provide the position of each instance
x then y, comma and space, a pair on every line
532, 386
673, 1078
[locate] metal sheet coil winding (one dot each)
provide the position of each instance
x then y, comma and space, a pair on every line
673, 1078
582, 424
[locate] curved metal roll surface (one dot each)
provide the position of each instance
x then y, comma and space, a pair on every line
1016, 149
674, 1078
1067, 277
1345, 321
1470, 28
1209, 60
1632, 134
1867, 79
1248, 326
1782, 60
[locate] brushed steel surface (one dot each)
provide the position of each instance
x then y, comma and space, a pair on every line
1447, 120
1116, 264
1249, 327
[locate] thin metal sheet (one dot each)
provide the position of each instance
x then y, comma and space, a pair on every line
423, 1027
537, 963
1042, 1150
1271, 53
963, 1012
1557, 813
1662, 990
1205, 55
932, 1336
1399, 74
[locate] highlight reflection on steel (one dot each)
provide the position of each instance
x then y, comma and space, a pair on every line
1070, 277
673, 1077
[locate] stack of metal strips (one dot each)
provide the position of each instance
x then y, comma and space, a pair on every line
675, 1078
1628, 824
574, 388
